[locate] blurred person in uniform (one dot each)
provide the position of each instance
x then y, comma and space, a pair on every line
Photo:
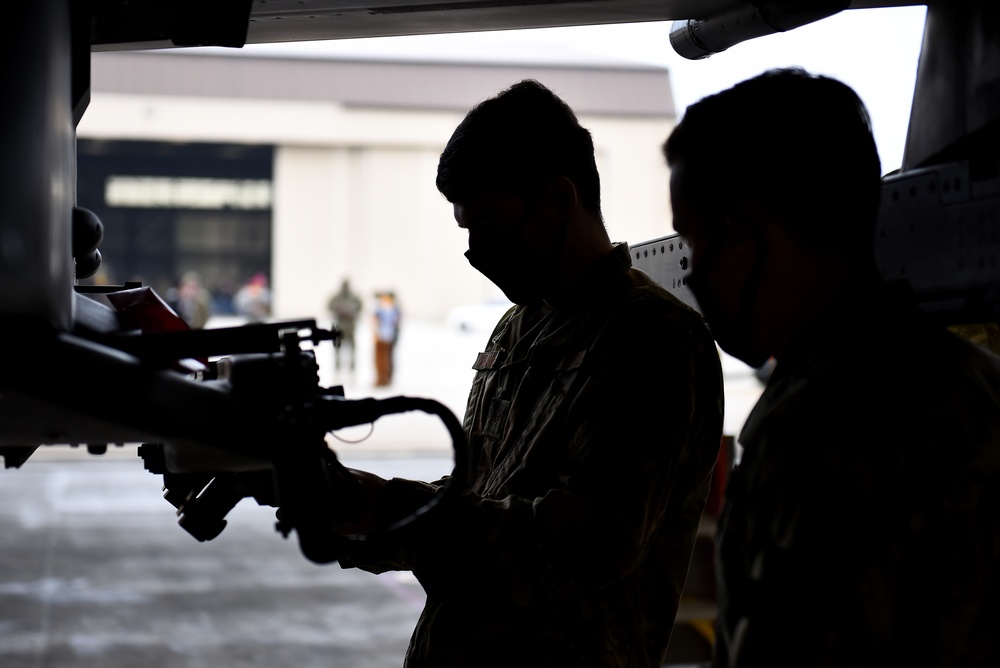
345, 308
594, 422
253, 300
386, 324
193, 301
862, 524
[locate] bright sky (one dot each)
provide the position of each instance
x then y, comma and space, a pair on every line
873, 50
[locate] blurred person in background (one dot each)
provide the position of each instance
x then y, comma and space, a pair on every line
386, 325
345, 309
194, 302
190, 300
253, 300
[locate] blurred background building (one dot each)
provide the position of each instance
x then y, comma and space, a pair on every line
309, 170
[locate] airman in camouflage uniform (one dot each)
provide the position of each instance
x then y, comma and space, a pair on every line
862, 523
594, 422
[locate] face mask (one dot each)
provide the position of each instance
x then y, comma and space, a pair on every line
510, 270
521, 272
734, 334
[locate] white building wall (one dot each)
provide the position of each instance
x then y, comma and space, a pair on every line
311, 234
634, 177
354, 195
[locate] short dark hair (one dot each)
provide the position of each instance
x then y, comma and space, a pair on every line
516, 141
799, 144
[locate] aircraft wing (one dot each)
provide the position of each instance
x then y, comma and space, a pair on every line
140, 24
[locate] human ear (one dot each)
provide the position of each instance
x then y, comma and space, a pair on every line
565, 197
745, 237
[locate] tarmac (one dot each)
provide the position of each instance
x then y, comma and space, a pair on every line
95, 572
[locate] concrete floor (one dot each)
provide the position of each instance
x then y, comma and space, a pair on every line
94, 571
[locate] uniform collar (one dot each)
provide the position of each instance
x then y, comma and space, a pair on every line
596, 277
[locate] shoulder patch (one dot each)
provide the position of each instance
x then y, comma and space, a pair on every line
486, 361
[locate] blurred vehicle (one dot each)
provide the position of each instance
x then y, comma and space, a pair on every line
478, 318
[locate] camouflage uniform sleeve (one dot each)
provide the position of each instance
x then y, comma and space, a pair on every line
398, 500
648, 422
